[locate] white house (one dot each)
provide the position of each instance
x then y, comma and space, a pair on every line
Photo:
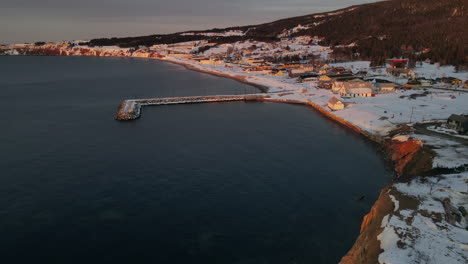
401, 72
339, 84
335, 104
357, 89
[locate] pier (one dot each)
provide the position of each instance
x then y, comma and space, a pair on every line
131, 109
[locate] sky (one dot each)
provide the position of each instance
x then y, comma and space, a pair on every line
55, 20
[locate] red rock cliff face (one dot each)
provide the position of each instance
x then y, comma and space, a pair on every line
366, 249
403, 152
410, 158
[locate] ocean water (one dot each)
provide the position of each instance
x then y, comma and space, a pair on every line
204, 183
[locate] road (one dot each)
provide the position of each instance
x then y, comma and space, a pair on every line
422, 129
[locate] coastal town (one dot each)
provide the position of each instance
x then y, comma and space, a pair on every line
417, 109
300, 68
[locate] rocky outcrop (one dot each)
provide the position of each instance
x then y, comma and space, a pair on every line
366, 249
410, 157
128, 110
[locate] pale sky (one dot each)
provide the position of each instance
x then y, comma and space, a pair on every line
54, 20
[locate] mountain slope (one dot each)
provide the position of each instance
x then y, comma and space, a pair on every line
418, 29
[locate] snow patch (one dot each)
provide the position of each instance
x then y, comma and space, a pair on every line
395, 202
401, 138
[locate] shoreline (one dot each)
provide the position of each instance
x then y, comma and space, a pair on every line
408, 158
238, 78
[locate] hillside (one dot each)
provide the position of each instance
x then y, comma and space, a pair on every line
417, 29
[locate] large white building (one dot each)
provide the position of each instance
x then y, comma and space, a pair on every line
357, 89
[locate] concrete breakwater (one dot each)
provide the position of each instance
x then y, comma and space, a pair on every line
131, 109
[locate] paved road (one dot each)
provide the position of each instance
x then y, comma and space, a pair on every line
422, 129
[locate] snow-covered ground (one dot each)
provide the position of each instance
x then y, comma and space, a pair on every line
433, 71
424, 235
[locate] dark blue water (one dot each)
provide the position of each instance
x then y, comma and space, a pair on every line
204, 183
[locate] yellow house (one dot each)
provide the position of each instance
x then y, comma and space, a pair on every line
325, 78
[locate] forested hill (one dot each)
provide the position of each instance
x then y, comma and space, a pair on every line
418, 29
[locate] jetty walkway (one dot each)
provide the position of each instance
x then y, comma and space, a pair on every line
131, 109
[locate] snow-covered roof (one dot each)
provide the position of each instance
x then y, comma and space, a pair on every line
358, 87
334, 101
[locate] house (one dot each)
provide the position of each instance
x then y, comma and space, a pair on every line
382, 86
466, 84
308, 78
459, 123
451, 80
333, 77
413, 83
401, 72
338, 84
339, 70
294, 73
385, 87
307, 67
252, 61
335, 104
425, 82
321, 67
290, 66
264, 69
210, 62
357, 89
325, 84
361, 73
